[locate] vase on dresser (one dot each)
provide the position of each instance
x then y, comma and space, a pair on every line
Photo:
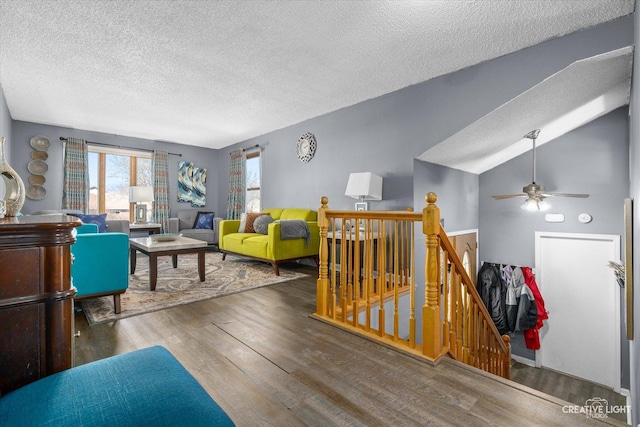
14, 187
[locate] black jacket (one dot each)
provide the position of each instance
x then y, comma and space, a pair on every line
493, 291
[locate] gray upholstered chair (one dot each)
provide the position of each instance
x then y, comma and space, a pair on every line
113, 225
184, 221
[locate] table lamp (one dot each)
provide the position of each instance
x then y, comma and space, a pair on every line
364, 186
139, 194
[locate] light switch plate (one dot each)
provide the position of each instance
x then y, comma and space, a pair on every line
554, 217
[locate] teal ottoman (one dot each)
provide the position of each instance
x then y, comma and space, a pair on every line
144, 387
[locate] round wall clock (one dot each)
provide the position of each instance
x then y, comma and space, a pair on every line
306, 147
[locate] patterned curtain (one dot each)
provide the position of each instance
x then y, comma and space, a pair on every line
160, 170
75, 191
237, 184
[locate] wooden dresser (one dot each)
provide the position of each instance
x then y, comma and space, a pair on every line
36, 297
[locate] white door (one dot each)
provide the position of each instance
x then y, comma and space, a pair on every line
582, 335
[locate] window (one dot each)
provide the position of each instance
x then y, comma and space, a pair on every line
111, 173
253, 182
466, 263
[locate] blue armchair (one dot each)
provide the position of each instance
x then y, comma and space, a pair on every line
101, 264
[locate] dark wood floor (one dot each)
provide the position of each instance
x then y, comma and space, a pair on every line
267, 363
566, 387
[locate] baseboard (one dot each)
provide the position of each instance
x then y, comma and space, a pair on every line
627, 394
524, 360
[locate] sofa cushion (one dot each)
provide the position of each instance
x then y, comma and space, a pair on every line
256, 245
206, 235
274, 212
186, 218
303, 214
243, 223
100, 220
237, 238
204, 220
261, 224
234, 242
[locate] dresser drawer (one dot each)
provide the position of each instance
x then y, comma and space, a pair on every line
19, 272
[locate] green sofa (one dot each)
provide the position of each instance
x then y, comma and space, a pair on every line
270, 247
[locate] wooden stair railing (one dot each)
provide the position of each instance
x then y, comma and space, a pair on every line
467, 328
367, 268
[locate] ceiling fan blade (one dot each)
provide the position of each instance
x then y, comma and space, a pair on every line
535, 192
582, 196
508, 196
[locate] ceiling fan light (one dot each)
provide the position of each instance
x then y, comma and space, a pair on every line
535, 205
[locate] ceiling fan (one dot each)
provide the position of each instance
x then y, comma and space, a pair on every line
535, 192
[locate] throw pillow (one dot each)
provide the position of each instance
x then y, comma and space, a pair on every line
204, 221
261, 224
251, 217
99, 220
243, 223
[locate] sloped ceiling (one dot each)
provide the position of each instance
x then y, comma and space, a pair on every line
213, 73
574, 96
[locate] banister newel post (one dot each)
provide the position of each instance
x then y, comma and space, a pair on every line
431, 328
322, 286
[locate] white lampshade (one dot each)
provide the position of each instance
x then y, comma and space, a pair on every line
140, 194
364, 186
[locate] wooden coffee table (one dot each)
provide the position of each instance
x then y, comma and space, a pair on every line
153, 249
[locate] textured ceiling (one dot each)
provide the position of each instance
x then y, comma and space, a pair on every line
213, 73
583, 91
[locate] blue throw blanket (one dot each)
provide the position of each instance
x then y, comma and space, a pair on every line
295, 229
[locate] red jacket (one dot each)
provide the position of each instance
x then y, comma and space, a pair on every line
531, 337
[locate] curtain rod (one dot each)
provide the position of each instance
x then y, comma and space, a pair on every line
253, 147
62, 138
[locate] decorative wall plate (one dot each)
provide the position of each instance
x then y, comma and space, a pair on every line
37, 167
39, 155
36, 192
36, 179
306, 147
40, 143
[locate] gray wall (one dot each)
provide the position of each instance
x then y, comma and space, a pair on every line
5, 129
457, 194
592, 159
21, 155
634, 192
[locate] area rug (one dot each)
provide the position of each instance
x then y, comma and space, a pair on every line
178, 286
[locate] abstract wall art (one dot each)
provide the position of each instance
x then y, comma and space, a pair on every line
192, 184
